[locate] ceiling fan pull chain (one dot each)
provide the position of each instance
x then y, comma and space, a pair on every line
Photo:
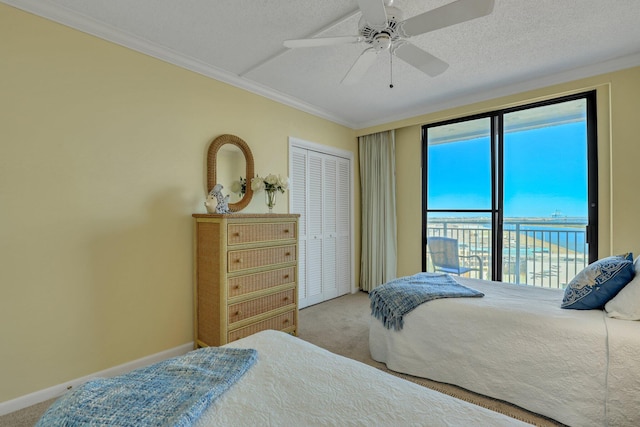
390, 69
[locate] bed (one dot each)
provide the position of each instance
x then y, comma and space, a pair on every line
516, 344
295, 383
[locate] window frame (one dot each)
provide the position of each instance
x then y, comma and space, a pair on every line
497, 175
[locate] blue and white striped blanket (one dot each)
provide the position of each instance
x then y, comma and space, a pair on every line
391, 301
174, 392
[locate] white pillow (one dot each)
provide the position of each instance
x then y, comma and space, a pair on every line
626, 305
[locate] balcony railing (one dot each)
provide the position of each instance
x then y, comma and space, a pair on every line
535, 251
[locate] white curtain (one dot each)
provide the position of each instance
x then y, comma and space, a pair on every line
378, 193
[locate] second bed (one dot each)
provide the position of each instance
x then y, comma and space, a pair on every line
516, 344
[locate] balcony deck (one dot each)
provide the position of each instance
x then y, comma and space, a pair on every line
546, 252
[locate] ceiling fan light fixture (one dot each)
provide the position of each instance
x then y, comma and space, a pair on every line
382, 41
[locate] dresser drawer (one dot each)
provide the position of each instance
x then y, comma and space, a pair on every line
246, 309
260, 232
279, 323
253, 258
241, 285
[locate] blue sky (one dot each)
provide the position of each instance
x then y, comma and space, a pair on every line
545, 171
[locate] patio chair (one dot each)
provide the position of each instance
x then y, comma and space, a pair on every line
445, 256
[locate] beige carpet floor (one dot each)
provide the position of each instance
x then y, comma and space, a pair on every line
27, 417
341, 326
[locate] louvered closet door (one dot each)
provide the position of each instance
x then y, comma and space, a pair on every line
343, 227
299, 206
321, 195
315, 262
329, 227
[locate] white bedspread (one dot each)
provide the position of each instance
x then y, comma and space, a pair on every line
518, 345
294, 383
623, 394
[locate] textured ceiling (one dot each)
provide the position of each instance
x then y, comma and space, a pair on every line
523, 44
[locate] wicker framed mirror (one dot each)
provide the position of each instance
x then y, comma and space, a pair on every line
212, 167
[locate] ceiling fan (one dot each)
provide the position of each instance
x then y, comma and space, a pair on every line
382, 28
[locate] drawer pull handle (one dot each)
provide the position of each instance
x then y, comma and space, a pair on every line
287, 254
237, 234
239, 260
286, 276
285, 299
238, 313
285, 321
237, 287
286, 230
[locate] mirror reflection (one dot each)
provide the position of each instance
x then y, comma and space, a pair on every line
231, 167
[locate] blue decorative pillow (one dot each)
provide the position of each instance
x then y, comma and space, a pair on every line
599, 282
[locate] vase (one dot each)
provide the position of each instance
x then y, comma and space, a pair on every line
270, 199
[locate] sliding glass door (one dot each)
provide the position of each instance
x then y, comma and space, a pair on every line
460, 197
514, 192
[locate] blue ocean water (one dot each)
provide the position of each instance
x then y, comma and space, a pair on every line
572, 238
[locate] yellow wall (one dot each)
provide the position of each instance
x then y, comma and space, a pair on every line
102, 163
618, 99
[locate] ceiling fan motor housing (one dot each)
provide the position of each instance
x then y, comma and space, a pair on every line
382, 38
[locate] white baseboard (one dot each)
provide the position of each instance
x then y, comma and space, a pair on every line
58, 390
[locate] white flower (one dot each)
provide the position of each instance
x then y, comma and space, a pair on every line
283, 182
271, 179
257, 184
270, 183
236, 187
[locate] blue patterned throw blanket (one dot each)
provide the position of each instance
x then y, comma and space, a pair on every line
391, 301
174, 392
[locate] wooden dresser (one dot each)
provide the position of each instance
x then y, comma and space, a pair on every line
245, 276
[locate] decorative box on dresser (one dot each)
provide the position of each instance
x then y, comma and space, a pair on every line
245, 276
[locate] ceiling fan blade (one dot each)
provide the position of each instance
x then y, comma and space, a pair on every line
447, 15
373, 12
322, 41
420, 59
362, 64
